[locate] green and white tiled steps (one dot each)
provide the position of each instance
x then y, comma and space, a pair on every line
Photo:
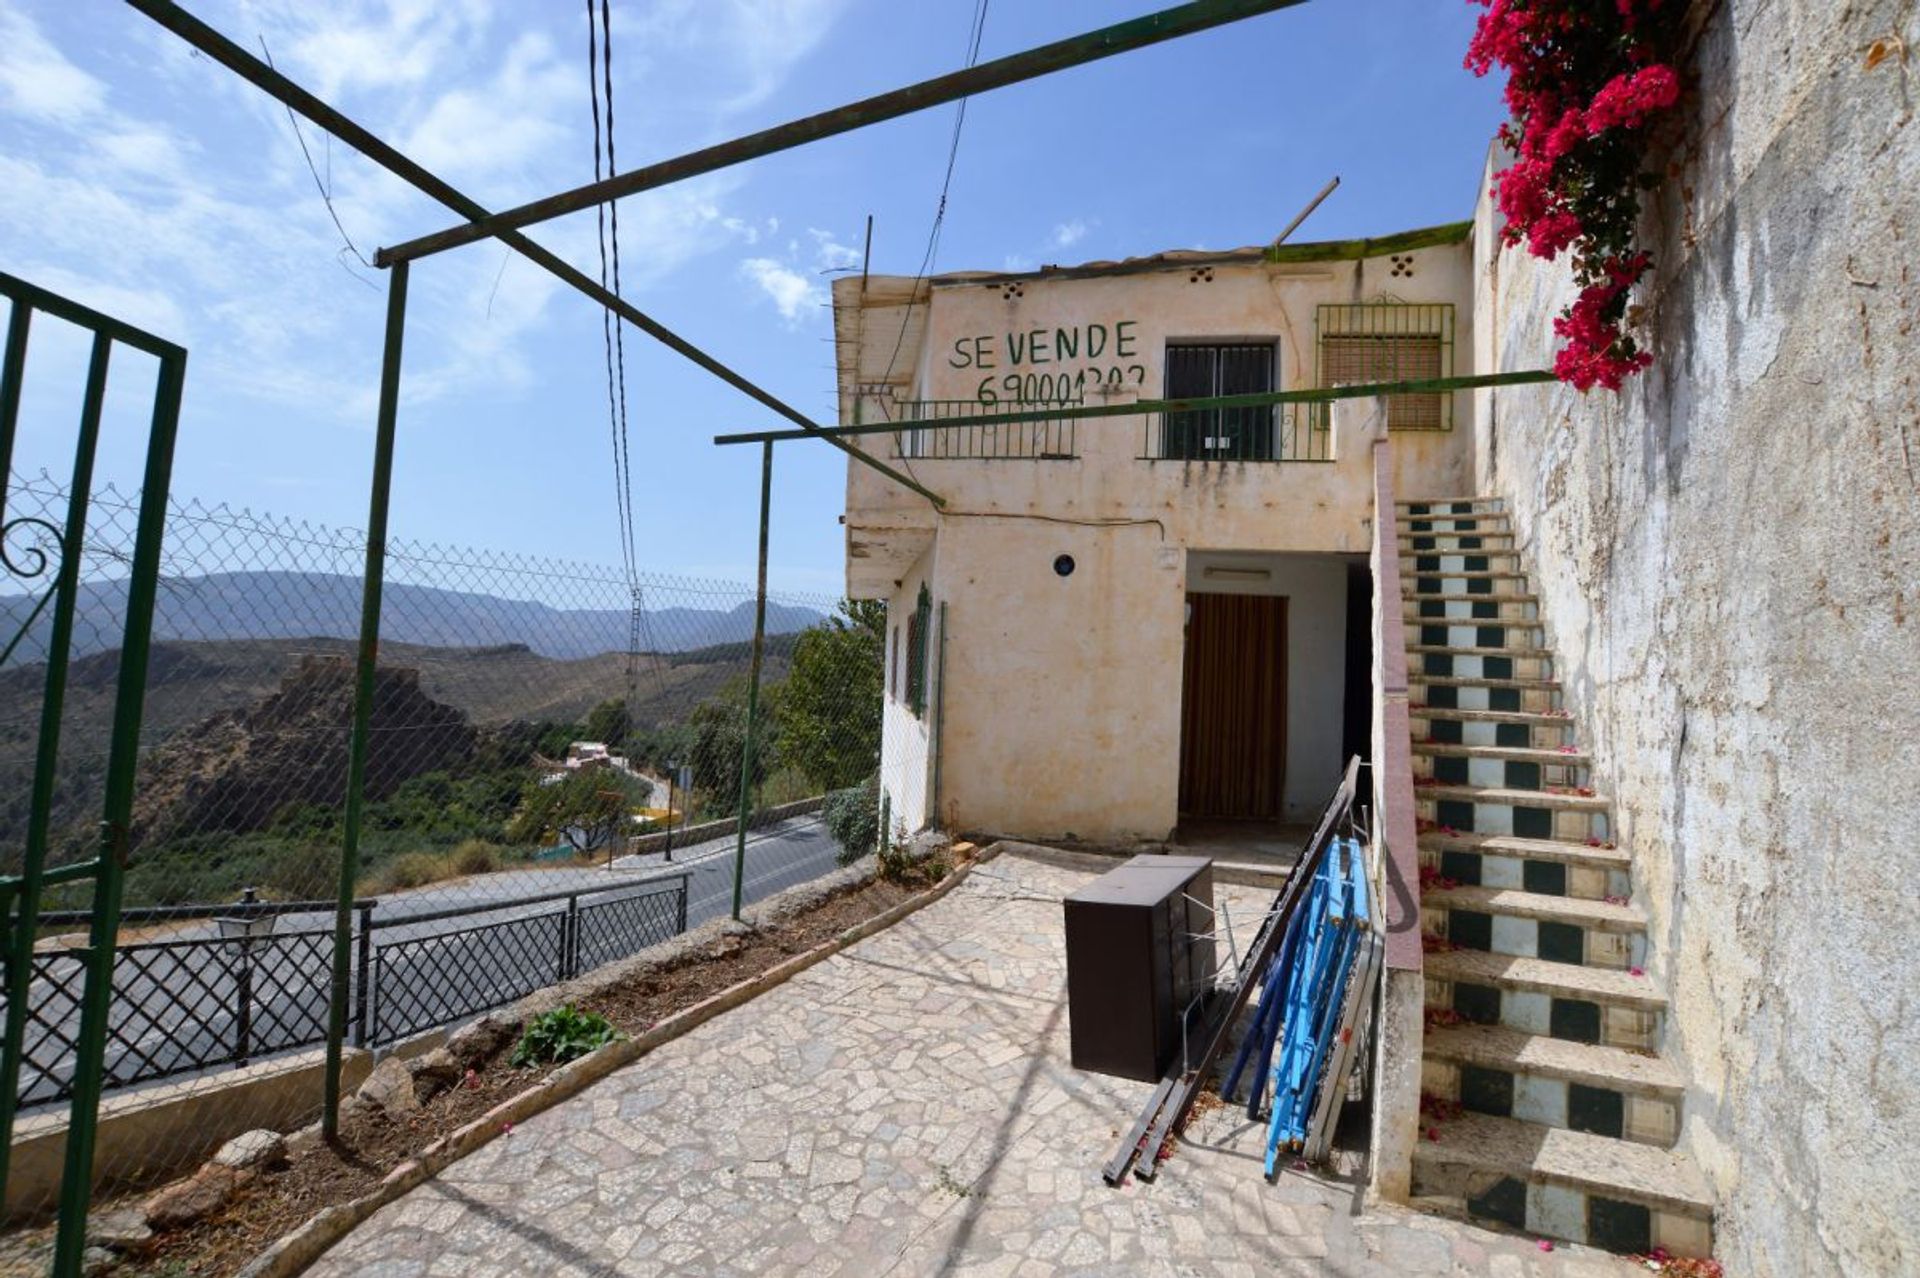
1542, 1023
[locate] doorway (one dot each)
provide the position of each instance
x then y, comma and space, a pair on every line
1233, 708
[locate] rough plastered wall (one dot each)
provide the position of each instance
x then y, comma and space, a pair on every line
1729, 560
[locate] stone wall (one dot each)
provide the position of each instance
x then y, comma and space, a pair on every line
1729, 560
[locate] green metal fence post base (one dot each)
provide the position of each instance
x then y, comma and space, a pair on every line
382, 489
753, 686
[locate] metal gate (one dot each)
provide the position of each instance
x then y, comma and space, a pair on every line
49, 566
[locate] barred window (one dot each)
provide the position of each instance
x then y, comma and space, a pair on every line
1391, 342
917, 625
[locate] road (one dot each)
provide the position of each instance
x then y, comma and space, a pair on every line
176, 1001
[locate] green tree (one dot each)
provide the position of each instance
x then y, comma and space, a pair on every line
584, 807
830, 707
610, 723
716, 736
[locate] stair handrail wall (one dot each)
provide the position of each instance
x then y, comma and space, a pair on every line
1392, 852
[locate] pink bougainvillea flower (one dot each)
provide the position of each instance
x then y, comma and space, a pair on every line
1636, 971
1546, 1244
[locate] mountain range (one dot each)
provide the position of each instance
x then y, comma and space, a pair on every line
299, 605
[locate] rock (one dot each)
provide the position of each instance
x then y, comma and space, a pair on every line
123, 1229
195, 1198
473, 1045
257, 1148
435, 1073
98, 1260
390, 1088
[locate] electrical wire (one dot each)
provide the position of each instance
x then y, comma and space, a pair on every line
600, 71
946, 184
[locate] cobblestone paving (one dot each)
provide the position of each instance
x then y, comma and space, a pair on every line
904, 1108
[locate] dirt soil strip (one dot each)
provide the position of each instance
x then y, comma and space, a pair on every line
295, 1251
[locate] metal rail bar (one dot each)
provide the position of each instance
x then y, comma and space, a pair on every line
1306, 395
123, 757
358, 745
1091, 46
753, 684
643, 887
46, 764
291, 95
1170, 1103
86, 317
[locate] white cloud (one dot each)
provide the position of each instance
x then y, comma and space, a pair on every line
1067, 234
830, 253
37, 80
793, 293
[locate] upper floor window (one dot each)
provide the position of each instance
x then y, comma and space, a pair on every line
1196, 371
1391, 342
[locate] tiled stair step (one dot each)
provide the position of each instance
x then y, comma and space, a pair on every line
1493, 796
1515, 1052
1509, 696
1481, 681
1537, 996
1454, 575
1454, 562
1472, 501
1455, 725
1498, 767
1476, 610
1462, 596
1546, 867
1424, 525
1559, 929
1511, 754
1512, 652
1480, 664
1489, 1069
1457, 585
1621, 1195
1449, 543
1531, 814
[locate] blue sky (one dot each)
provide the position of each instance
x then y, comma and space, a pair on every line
145, 180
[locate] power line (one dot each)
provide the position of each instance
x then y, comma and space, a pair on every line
612, 328
940, 209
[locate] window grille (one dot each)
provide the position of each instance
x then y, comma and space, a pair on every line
917, 625
1390, 342
1219, 434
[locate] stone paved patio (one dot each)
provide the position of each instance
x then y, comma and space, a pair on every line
904, 1108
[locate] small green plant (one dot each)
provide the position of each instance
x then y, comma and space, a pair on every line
852, 817
562, 1034
899, 864
477, 856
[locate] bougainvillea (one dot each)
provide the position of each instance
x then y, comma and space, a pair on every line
1587, 81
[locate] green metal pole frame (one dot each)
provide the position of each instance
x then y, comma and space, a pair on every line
47, 761
294, 98
12, 373
382, 489
1090, 46
123, 757
753, 686
1262, 399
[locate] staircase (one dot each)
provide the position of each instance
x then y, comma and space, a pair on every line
1545, 1106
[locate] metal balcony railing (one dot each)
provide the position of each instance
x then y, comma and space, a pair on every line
952, 437
1263, 434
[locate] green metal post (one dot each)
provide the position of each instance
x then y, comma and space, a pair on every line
46, 763
1090, 46
123, 756
939, 713
753, 685
363, 692
12, 371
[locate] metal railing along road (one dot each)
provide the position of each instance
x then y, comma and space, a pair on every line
245, 988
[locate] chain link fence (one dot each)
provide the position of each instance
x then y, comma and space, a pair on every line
554, 780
